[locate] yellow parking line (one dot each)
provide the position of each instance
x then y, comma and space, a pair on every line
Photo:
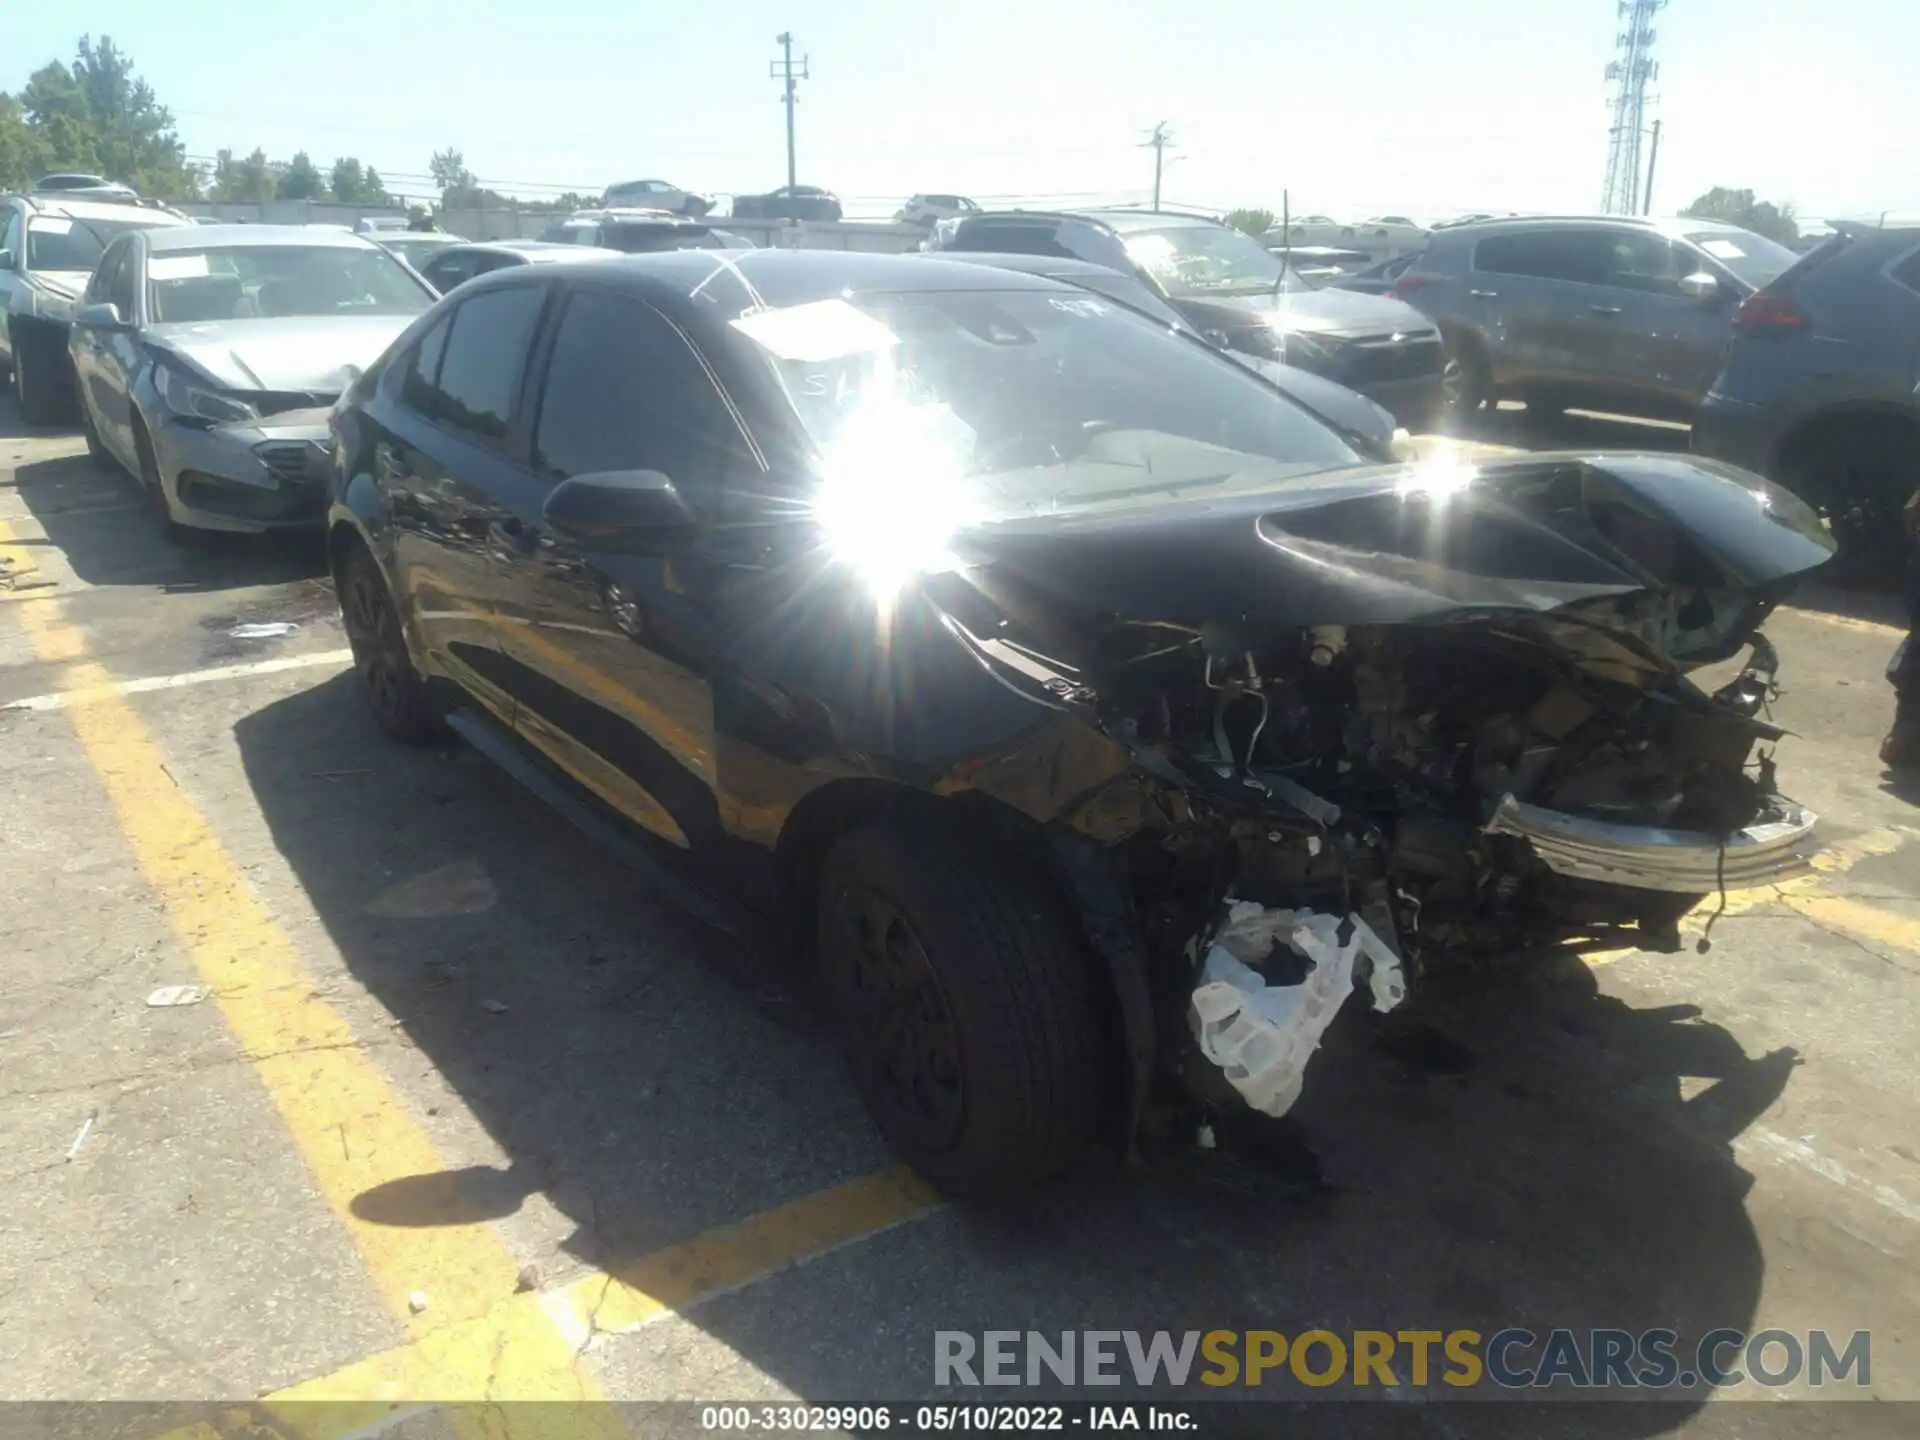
1803, 895
477, 1340
350, 1125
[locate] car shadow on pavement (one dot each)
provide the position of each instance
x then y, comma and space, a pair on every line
1525, 1150
95, 515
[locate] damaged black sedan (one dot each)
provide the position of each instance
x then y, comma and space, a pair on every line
1090, 717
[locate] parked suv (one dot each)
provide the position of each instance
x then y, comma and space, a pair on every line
1607, 312
48, 247
1233, 290
1820, 387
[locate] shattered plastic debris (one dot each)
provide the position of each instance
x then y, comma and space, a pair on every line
417, 1301
268, 630
170, 995
86, 1129
1260, 1035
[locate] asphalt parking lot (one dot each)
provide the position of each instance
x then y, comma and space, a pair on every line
466, 1116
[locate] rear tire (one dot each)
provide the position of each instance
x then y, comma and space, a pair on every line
396, 692
1464, 378
966, 1003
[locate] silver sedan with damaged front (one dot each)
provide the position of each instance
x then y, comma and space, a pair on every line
207, 359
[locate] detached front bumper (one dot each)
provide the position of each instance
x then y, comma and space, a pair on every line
249, 477
1777, 847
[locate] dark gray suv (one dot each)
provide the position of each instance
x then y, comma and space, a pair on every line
1601, 312
1820, 388
1231, 289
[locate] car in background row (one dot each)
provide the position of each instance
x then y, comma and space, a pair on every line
656, 195
1819, 387
85, 187
789, 202
208, 355
1321, 264
458, 264
1376, 279
993, 753
1382, 232
1365, 425
930, 210
414, 246
1234, 291
49, 245
1606, 312
639, 232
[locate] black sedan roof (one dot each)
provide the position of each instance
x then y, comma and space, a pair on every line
787, 277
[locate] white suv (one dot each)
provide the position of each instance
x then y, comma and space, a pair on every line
48, 248
930, 210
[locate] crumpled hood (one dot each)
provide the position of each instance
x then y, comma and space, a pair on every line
311, 353
1310, 312
1395, 544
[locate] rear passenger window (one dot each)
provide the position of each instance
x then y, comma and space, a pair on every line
1578, 255
422, 369
1647, 262
485, 353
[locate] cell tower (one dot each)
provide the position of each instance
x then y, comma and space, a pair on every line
1631, 72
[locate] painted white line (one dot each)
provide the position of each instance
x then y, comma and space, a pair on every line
65, 699
1798, 1152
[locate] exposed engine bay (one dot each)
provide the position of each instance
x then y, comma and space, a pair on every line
1401, 772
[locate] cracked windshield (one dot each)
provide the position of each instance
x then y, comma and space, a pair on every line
928, 719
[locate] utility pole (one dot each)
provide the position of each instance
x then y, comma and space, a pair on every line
1653, 159
1158, 142
783, 69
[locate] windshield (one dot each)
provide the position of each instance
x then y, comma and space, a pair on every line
250, 282
1208, 259
1753, 258
61, 242
1030, 402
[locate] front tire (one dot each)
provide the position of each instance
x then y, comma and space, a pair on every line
153, 490
395, 690
1464, 379
36, 383
96, 451
965, 1000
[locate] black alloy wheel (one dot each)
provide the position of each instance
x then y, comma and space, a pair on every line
395, 691
964, 996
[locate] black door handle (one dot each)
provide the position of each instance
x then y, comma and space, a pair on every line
1604, 309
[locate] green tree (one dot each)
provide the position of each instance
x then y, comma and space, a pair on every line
373, 190
449, 170
133, 134
1255, 222
301, 180
251, 179
1738, 207
20, 148
56, 107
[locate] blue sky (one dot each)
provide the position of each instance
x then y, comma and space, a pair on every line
1422, 107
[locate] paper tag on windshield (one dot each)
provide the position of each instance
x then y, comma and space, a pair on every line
52, 225
1722, 249
818, 330
176, 267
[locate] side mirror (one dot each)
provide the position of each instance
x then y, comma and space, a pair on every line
103, 316
6, 260
627, 512
1700, 286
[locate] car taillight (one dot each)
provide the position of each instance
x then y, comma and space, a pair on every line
1764, 310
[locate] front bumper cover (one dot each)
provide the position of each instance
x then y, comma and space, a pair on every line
250, 476
1777, 847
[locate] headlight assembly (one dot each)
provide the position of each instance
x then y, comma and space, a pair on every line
190, 401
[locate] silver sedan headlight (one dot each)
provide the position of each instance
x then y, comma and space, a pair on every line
187, 400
